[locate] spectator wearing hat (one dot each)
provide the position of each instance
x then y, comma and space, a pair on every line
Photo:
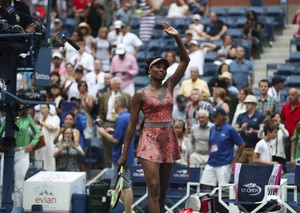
222, 139
266, 104
178, 9
125, 66
58, 27
277, 85
216, 29
193, 82
197, 6
179, 109
83, 58
248, 124
114, 34
86, 32
197, 55
199, 139
196, 27
57, 64
227, 76
188, 37
132, 42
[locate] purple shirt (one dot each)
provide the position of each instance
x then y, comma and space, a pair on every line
128, 64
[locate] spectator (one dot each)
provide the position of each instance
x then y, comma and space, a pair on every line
179, 109
66, 152
114, 34
80, 9
247, 125
197, 6
83, 58
55, 90
277, 144
110, 7
106, 88
193, 108
71, 85
25, 142
94, 16
184, 143
133, 44
89, 40
108, 114
253, 30
262, 151
58, 27
194, 82
178, 9
241, 107
124, 13
221, 100
242, 69
125, 66
296, 20
295, 147
171, 57
215, 29
57, 64
86, 106
199, 139
197, 55
188, 37
103, 48
147, 19
95, 79
116, 136
227, 77
49, 124
291, 115
227, 52
196, 27
277, 85
222, 139
69, 50
266, 104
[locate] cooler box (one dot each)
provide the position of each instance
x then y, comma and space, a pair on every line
53, 190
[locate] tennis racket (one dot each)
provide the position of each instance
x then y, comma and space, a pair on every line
116, 192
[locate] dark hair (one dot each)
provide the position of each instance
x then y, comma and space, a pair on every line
73, 116
264, 81
148, 61
269, 126
221, 66
254, 14
82, 82
247, 90
71, 131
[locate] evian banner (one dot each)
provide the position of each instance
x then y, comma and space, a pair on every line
42, 67
53, 190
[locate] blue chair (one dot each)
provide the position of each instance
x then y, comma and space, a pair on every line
235, 33
236, 11
293, 81
287, 70
257, 9
278, 13
294, 42
140, 82
210, 69
210, 56
292, 205
294, 57
256, 188
220, 11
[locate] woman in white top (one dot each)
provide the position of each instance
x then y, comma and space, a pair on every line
241, 107
263, 150
277, 144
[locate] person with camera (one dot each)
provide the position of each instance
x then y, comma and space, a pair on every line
66, 152
15, 18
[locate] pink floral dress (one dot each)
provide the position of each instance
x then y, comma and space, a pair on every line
158, 142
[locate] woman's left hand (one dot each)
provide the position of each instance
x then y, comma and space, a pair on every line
28, 148
169, 29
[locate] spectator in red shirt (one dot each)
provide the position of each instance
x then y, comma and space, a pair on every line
291, 115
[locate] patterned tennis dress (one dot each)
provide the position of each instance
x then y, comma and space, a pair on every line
158, 142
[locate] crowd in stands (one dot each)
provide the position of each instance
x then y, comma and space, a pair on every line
115, 39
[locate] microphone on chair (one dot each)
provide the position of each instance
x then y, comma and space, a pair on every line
70, 41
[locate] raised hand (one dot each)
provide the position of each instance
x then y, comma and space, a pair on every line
169, 29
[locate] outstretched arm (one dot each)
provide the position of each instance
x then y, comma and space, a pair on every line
184, 57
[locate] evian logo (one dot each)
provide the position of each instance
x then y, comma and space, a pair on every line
251, 189
41, 76
46, 198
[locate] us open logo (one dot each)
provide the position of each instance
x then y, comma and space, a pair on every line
251, 189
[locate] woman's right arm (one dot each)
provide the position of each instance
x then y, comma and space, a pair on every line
135, 110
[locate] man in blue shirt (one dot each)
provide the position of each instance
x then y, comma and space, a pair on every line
247, 124
222, 139
242, 69
117, 138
